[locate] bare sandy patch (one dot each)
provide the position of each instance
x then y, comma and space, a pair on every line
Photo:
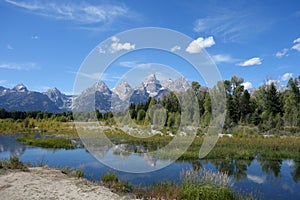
46, 183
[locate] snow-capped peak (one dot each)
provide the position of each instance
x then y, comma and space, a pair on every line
123, 90
20, 88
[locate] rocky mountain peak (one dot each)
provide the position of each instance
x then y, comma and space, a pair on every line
53, 91
152, 85
20, 88
151, 79
100, 86
123, 90
180, 84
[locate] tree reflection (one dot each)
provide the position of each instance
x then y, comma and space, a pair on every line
296, 173
271, 166
197, 164
9, 144
235, 168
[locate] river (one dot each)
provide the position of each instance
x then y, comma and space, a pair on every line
265, 179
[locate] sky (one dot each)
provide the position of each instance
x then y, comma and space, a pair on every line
44, 43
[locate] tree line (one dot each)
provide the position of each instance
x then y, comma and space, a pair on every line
39, 115
267, 107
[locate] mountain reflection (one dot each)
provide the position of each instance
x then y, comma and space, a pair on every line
9, 144
237, 169
296, 173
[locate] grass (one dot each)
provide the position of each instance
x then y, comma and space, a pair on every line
73, 173
43, 126
241, 146
109, 178
196, 184
111, 181
13, 163
245, 147
55, 142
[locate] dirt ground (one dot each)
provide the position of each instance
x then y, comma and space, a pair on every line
46, 183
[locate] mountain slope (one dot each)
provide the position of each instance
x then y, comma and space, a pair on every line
61, 100
20, 99
98, 96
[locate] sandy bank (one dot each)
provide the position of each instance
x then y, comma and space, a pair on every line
46, 183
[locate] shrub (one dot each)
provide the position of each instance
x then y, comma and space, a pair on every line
109, 178
111, 181
79, 173
13, 163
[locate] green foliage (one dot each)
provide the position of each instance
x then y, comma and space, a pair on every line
111, 181
273, 111
54, 142
79, 173
13, 163
196, 185
164, 190
109, 178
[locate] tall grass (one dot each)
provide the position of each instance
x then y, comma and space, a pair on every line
111, 181
13, 163
196, 185
206, 177
54, 143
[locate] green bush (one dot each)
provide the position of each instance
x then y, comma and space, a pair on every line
79, 173
13, 163
109, 178
111, 181
55, 142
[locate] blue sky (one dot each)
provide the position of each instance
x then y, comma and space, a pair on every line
43, 43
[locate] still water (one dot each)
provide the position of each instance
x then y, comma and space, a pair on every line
265, 179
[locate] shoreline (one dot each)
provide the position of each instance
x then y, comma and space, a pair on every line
50, 183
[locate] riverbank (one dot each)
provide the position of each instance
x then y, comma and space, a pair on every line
49, 183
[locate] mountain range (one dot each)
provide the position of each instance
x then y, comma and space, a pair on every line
98, 96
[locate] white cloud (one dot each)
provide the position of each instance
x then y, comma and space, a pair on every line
175, 48
256, 179
197, 45
82, 13
101, 50
282, 53
223, 58
251, 62
296, 44
9, 47
297, 40
97, 76
94, 76
231, 25
3, 81
247, 85
129, 64
269, 82
286, 76
18, 66
117, 46
35, 37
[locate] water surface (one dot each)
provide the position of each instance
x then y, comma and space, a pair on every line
266, 179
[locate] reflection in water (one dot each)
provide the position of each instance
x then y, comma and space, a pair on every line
235, 168
296, 173
9, 144
256, 179
271, 166
274, 179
